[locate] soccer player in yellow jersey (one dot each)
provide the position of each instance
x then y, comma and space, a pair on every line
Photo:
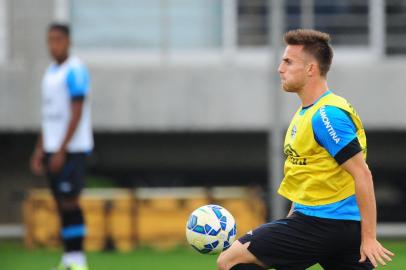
332, 220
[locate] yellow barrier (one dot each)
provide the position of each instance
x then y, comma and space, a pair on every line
107, 213
123, 219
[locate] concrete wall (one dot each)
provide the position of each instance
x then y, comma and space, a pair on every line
168, 95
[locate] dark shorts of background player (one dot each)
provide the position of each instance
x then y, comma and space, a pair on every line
300, 241
69, 181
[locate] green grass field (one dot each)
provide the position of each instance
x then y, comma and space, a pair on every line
13, 256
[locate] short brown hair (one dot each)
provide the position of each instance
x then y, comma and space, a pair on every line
314, 43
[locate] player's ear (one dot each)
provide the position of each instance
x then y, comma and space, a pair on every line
312, 69
309, 69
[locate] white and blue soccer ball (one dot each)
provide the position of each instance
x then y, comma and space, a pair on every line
211, 229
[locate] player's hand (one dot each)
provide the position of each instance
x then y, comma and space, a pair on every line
57, 161
36, 162
375, 252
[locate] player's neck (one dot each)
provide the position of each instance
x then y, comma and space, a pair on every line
311, 92
62, 59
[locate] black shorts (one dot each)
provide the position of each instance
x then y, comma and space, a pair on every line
69, 182
300, 241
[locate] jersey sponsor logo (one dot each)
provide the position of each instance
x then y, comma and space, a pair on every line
289, 151
328, 125
293, 156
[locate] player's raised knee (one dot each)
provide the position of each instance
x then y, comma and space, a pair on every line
236, 254
223, 262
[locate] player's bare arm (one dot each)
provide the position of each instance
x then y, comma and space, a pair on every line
364, 191
37, 157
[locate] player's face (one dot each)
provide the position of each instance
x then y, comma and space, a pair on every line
58, 44
292, 69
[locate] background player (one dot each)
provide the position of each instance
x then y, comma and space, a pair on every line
333, 216
65, 140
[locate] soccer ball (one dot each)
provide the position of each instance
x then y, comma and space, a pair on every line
211, 229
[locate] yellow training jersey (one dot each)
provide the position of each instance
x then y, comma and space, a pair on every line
312, 175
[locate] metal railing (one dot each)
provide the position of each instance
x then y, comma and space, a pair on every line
231, 26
